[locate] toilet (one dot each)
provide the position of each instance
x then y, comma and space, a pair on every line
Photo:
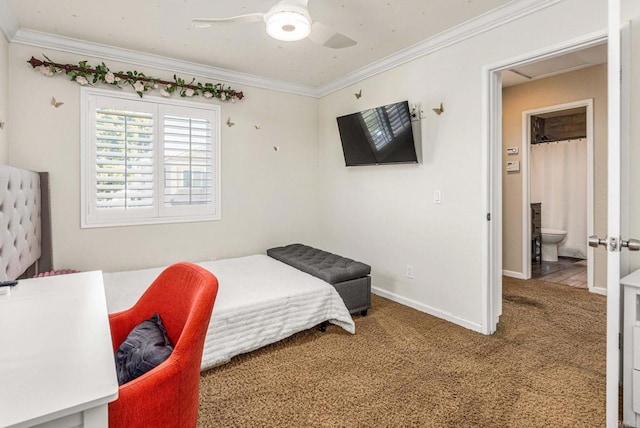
550, 240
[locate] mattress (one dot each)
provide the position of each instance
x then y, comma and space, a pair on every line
260, 301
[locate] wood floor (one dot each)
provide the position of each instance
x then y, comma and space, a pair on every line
566, 270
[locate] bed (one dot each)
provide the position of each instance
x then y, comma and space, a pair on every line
260, 301
25, 223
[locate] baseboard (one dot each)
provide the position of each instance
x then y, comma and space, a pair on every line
598, 290
512, 274
428, 309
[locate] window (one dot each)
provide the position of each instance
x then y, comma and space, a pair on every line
150, 160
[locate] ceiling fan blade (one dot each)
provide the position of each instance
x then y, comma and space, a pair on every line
328, 37
207, 22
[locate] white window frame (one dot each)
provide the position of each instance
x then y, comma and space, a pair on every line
90, 216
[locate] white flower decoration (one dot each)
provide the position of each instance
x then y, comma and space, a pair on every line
85, 75
46, 71
82, 80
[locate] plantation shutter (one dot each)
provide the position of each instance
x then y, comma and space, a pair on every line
148, 161
187, 161
124, 159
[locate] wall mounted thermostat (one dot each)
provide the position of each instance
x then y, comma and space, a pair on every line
513, 166
512, 150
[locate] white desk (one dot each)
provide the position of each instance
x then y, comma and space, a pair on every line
56, 360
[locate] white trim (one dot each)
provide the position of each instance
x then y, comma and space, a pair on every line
491, 169
526, 196
427, 309
598, 290
8, 22
614, 109
628, 303
526, 181
512, 274
478, 25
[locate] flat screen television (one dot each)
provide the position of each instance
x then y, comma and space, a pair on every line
380, 135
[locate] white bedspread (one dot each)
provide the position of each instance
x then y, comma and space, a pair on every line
260, 301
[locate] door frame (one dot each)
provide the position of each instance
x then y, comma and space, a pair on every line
526, 185
492, 167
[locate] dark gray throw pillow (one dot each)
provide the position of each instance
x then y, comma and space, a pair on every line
146, 347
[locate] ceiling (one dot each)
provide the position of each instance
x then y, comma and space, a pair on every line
163, 27
559, 64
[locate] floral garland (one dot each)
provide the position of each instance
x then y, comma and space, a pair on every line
84, 74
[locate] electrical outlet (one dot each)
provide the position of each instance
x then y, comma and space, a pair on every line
410, 271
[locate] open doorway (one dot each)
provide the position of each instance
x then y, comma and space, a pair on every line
495, 162
497, 140
564, 164
561, 185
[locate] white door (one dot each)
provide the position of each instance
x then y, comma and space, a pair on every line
617, 231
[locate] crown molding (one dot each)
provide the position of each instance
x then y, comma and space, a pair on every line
485, 22
8, 21
106, 52
482, 23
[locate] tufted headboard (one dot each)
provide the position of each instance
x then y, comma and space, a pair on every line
25, 223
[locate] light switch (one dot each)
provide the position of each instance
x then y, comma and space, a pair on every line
437, 197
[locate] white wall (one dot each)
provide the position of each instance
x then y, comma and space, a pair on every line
384, 215
4, 98
268, 198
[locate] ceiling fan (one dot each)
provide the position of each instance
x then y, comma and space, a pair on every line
288, 20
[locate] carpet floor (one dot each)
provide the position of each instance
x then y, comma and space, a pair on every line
544, 367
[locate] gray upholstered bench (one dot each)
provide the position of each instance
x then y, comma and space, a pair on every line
350, 278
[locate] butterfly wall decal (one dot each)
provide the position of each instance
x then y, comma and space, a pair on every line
56, 103
358, 94
229, 123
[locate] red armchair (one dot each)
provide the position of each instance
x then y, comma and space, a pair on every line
167, 396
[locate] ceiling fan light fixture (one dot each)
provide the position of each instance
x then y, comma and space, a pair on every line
288, 26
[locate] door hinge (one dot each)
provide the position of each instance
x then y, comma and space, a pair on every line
619, 340
488, 216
